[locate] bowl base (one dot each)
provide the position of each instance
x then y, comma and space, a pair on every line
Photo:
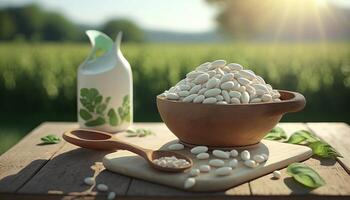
222, 148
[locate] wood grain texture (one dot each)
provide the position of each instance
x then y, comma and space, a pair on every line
335, 176
23, 160
65, 174
26, 166
337, 135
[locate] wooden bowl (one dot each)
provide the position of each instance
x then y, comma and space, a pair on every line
226, 125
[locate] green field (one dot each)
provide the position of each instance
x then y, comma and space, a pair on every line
38, 81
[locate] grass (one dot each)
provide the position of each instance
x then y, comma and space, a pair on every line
38, 81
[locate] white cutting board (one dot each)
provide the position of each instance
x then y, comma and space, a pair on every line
280, 155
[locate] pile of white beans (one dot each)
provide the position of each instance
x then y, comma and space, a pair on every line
224, 162
220, 83
171, 162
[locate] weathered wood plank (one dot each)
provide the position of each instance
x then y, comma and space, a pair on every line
335, 176
337, 135
65, 172
23, 160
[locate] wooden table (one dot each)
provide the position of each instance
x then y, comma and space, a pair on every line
32, 171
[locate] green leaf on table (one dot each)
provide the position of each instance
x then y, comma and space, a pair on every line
140, 132
96, 122
305, 175
85, 114
323, 150
113, 118
302, 137
277, 133
50, 139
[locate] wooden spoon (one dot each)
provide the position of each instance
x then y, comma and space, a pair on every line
99, 140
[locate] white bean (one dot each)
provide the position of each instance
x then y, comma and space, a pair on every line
189, 182
89, 180
234, 153
255, 100
218, 63
210, 100
222, 103
258, 158
102, 187
212, 83
235, 66
223, 171
204, 168
202, 78
221, 154
266, 98
193, 74
245, 97
260, 87
245, 155
201, 91
212, 92
176, 147
226, 95
227, 85
189, 98
233, 163
260, 80
243, 81
199, 149
199, 99
194, 172
184, 93
276, 174
216, 163
202, 156
172, 96
211, 73
241, 89
235, 94
219, 97
111, 195
184, 87
247, 74
250, 89
195, 89
227, 77
235, 101
250, 163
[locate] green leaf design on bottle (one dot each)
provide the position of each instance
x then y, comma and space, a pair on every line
124, 110
85, 114
95, 107
96, 122
113, 118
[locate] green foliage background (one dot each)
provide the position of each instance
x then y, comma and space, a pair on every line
38, 81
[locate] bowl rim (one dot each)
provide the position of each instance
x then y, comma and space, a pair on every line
296, 96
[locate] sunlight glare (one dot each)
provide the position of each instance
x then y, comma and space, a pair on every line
321, 3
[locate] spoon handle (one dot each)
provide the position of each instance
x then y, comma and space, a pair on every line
130, 147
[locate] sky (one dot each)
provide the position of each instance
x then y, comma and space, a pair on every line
192, 16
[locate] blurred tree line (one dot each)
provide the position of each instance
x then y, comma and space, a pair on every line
31, 23
282, 19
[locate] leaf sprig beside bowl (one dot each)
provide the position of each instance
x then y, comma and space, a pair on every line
303, 137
